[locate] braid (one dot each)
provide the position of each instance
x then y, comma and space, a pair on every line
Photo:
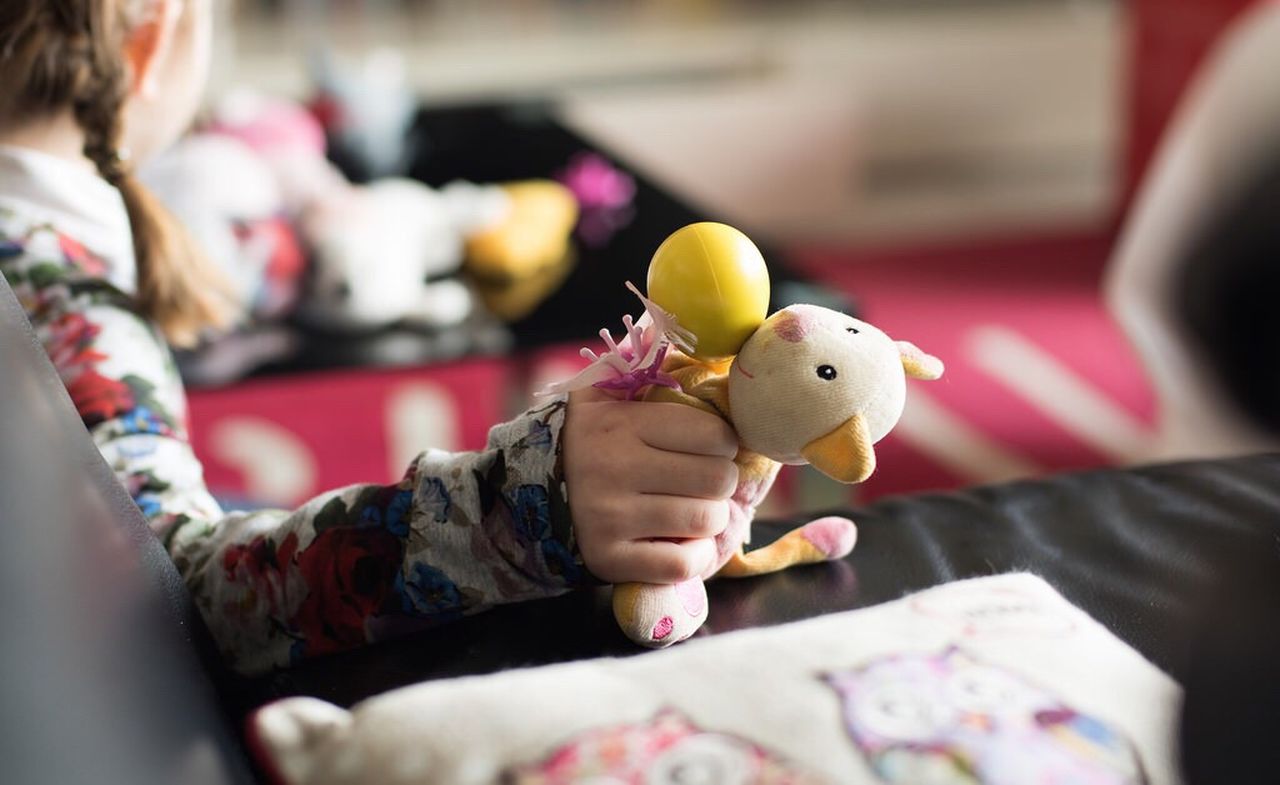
70, 54
99, 102
98, 111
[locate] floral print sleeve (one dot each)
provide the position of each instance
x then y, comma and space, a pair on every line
459, 533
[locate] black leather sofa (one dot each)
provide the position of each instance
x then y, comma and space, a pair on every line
107, 676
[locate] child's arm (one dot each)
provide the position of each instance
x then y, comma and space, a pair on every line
460, 532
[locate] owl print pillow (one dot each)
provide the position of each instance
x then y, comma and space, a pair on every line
992, 681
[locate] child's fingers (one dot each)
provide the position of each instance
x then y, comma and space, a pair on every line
675, 516
682, 474
678, 428
658, 561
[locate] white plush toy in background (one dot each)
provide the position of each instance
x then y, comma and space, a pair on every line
389, 252
229, 198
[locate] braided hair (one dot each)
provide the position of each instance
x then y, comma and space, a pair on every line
69, 54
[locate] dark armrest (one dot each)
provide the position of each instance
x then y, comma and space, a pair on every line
101, 655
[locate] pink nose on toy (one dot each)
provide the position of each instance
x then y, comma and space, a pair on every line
793, 327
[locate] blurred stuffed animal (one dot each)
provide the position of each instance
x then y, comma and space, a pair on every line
391, 251
384, 253
379, 254
806, 385
230, 199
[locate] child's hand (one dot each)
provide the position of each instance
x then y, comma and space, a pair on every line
647, 484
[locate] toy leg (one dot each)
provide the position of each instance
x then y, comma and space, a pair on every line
822, 540
658, 615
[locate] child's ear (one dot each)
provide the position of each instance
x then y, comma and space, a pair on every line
917, 363
147, 46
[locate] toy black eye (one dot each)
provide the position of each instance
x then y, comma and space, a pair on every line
851, 330
826, 372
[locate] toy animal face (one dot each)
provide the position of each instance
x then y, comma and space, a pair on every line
813, 385
963, 720
668, 750
918, 698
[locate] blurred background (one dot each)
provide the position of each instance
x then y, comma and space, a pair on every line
850, 121
955, 171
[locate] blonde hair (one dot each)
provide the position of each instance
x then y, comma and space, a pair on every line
69, 54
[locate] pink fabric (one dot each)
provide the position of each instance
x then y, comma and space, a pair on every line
833, 536
663, 628
747, 496
729, 541
597, 183
794, 327
334, 451
278, 125
692, 596
1044, 288
752, 490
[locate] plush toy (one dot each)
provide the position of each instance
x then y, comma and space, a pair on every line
390, 252
255, 186
383, 253
230, 199
805, 385
530, 234
515, 265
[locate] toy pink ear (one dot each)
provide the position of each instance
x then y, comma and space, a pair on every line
917, 363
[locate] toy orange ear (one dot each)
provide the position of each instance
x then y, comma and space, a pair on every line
845, 454
917, 363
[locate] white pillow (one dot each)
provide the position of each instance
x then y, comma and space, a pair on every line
996, 676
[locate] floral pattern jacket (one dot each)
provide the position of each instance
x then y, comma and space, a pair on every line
459, 533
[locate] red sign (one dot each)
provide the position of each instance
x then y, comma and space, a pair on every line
282, 440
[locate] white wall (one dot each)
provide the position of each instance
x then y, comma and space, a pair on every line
856, 122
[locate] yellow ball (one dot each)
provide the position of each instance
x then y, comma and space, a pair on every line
712, 278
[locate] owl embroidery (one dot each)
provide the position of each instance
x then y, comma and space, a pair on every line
930, 719
667, 750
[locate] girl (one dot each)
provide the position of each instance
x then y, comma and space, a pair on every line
579, 488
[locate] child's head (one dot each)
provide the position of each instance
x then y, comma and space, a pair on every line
130, 74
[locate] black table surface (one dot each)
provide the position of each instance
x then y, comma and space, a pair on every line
493, 144
1154, 554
